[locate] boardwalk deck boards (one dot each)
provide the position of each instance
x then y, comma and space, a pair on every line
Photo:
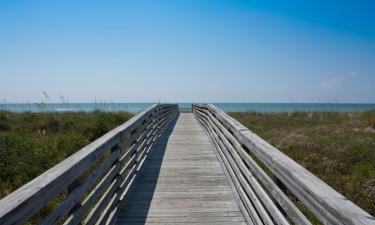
182, 182
199, 166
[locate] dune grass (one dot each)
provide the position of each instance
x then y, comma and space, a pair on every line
338, 147
31, 143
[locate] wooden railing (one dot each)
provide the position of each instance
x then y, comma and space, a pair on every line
91, 182
262, 194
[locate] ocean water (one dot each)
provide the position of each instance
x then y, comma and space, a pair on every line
228, 107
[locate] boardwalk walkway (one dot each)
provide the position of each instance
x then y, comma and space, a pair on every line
182, 182
166, 167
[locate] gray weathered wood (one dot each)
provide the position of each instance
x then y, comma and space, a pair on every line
114, 191
245, 212
240, 167
125, 183
76, 217
290, 209
56, 215
252, 212
159, 170
20, 205
328, 205
181, 182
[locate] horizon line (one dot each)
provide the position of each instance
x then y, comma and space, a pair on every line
172, 102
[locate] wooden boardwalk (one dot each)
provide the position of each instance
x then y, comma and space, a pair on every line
182, 182
166, 167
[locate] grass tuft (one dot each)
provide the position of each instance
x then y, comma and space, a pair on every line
31, 143
338, 147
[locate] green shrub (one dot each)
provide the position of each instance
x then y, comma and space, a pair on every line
31, 143
369, 118
4, 122
338, 147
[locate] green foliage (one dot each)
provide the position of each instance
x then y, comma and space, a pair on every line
4, 122
338, 147
369, 117
31, 143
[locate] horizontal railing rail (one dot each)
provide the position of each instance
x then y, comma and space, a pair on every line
93, 180
263, 194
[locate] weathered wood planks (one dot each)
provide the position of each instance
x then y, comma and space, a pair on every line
181, 183
102, 163
195, 168
234, 142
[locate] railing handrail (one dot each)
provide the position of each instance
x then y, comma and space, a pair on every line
329, 206
24, 202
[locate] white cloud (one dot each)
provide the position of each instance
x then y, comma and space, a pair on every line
333, 82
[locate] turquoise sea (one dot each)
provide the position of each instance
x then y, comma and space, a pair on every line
136, 107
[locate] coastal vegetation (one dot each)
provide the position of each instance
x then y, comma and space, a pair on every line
31, 143
338, 147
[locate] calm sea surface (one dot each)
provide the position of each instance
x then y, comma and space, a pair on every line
238, 107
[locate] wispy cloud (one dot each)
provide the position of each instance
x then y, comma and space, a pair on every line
333, 82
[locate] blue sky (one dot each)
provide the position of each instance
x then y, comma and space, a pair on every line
188, 51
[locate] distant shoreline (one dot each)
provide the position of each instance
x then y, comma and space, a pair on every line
228, 107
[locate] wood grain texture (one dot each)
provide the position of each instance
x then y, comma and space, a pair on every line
194, 168
329, 206
182, 182
255, 171
19, 206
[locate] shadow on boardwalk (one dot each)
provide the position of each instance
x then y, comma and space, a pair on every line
137, 204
